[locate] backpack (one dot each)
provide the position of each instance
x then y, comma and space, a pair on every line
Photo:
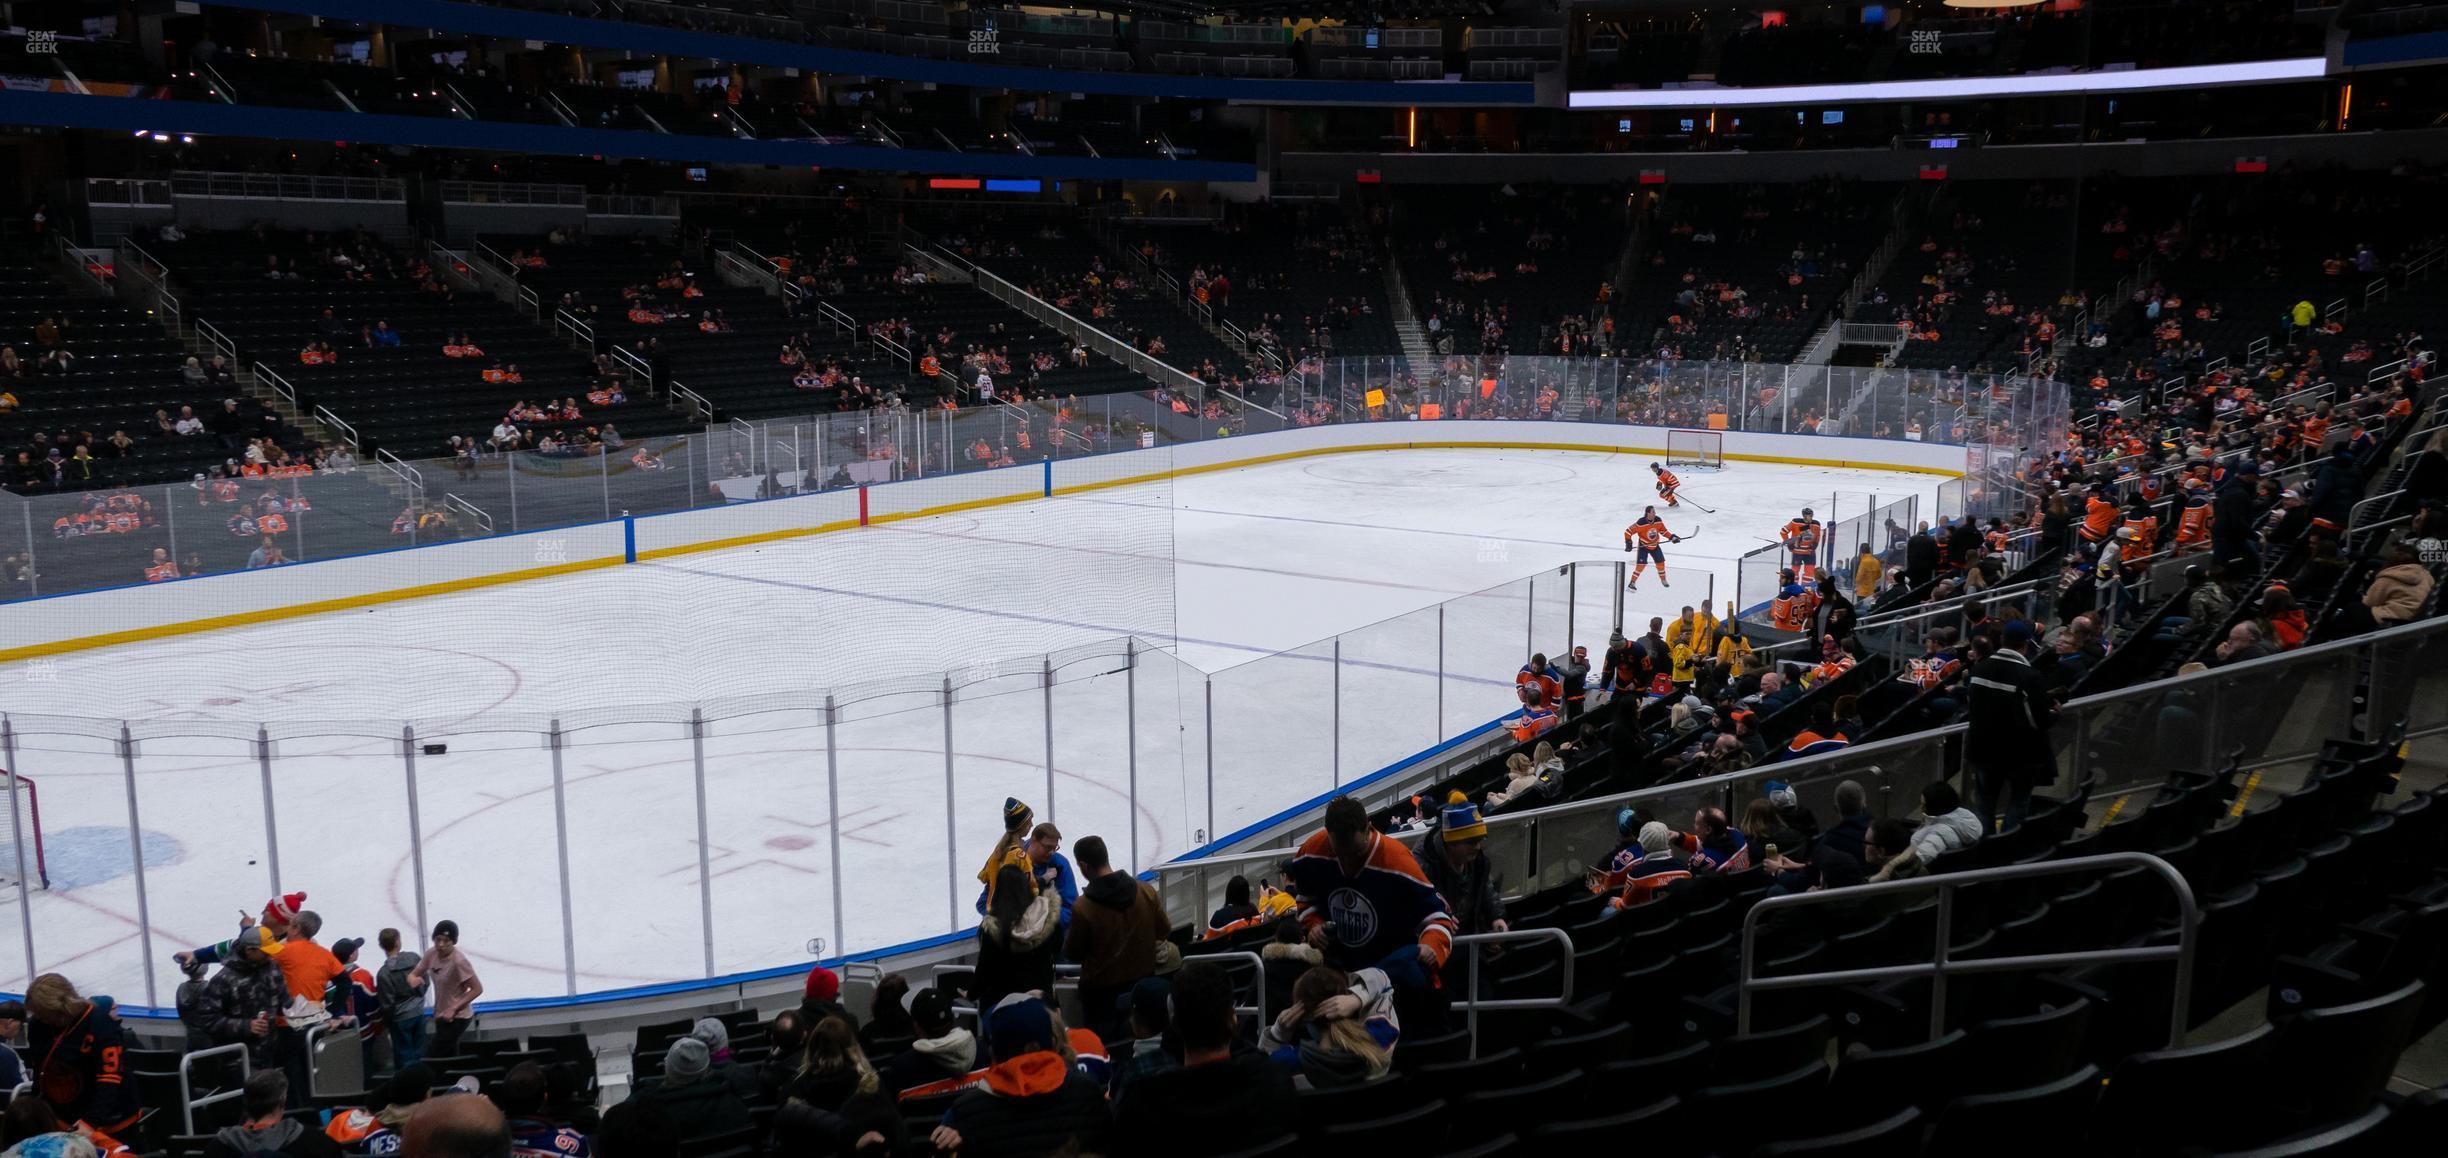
405, 1001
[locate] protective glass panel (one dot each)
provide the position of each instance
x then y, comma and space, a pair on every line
1168, 815
636, 911
485, 808
770, 831
896, 808
1274, 734
1388, 692
1487, 640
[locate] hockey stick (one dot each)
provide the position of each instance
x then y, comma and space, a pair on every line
1694, 502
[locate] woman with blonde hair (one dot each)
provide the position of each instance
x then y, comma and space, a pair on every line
1520, 779
76, 1046
832, 1068
1340, 1029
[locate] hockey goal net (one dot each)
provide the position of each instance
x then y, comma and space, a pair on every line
1703, 449
22, 836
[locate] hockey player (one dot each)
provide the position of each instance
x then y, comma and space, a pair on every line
1801, 539
1667, 484
1648, 531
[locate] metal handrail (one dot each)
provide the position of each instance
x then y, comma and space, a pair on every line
644, 370
577, 326
280, 385
409, 476
2354, 517
1473, 1003
474, 512
220, 341
189, 1103
699, 406
324, 415
1939, 967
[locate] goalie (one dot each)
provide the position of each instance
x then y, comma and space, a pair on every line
1667, 484
1647, 534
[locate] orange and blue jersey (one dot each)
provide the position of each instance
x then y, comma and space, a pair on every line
2193, 526
1809, 743
1649, 531
1667, 482
1550, 682
1802, 537
1388, 905
1645, 879
1531, 723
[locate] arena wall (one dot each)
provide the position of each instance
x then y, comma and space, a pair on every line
87, 620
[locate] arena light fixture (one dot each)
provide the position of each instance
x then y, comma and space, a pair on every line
1961, 88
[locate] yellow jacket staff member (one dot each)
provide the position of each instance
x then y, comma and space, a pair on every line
1866, 572
1698, 629
1734, 652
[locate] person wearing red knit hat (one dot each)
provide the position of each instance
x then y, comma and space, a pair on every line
278, 915
821, 998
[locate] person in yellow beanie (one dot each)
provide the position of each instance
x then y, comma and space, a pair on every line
1460, 870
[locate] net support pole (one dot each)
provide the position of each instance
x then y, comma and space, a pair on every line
951, 826
1045, 681
833, 816
1572, 604
1208, 694
416, 827
25, 894
144, 909
263, 763
705, 847
557, 740
1130, 696
1336, 736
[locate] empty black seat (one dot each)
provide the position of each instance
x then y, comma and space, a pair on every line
2133, 1113
2012, 1053
1897, 1133
1869, 1082
1320, 1108
2363, 1134
2041, 1119
1666, 1123
1483, 1114
1748, 1057
1414, 1129
1799, 1096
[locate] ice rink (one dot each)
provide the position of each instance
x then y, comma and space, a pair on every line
1416, 559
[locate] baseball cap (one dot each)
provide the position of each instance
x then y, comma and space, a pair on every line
931, 1009
2018, 633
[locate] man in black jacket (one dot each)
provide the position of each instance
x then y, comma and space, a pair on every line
1221, 1100
2008, 744
1920, 558
2232, 518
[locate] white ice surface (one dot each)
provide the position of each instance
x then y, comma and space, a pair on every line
1251, 562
